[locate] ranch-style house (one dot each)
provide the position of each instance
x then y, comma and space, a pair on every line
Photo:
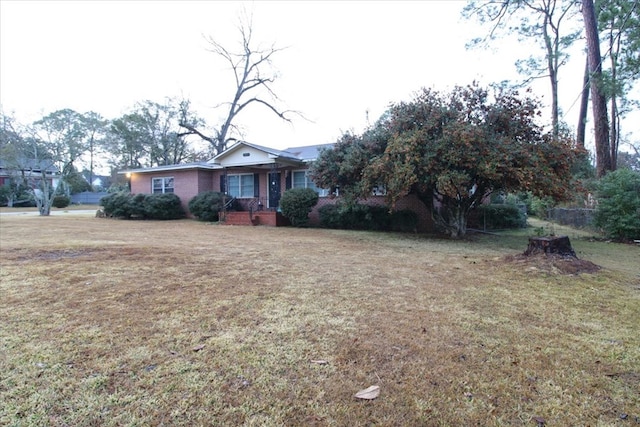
256, 176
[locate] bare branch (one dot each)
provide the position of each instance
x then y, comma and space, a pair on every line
193, 131
251, 67
278, 113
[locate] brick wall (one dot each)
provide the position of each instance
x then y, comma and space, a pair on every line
187, 183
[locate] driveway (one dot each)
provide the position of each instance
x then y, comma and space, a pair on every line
53, 212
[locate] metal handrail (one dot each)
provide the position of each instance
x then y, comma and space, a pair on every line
223, 211
226, 205
255, 205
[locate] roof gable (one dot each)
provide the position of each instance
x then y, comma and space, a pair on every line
246, 154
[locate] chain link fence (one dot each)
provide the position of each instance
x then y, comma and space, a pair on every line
574, 217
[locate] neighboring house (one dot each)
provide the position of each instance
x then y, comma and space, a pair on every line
96, 181
256, 177
28, 170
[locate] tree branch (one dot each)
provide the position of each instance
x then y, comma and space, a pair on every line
193, 131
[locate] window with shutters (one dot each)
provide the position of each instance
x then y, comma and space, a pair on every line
241, 185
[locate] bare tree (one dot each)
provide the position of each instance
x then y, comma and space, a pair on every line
254, 79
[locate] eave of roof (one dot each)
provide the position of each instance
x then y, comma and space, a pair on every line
184, 166
293, 156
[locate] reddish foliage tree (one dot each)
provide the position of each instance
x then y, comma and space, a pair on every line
454, 150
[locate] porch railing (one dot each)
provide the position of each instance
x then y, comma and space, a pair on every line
222, 215
256, 205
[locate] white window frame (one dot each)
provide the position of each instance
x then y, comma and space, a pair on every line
308, 183
245, 194
168, 184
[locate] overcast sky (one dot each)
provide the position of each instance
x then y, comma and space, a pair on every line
343, 59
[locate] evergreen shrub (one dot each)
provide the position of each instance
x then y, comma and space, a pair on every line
117, 205
355, 217
618, 209
142, 206
499, 216
61, 201
297, 203
206, 206
404, 220
162, 206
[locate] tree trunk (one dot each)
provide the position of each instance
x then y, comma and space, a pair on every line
598, 100
584, 107
559, 245
614, 130
552, 66
451, 219
458, 227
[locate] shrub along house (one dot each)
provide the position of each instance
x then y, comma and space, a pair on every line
255, 176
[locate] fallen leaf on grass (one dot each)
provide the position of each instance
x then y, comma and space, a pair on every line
369, 393
541, 421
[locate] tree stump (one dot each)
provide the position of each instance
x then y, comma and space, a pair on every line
559, 245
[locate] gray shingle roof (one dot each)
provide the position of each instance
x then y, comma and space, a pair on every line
307, 153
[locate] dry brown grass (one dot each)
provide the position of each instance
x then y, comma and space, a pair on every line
114, 323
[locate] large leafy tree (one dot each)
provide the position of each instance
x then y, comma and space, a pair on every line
12, 154
42, 156
95, 131
58, 140
126, 142
342, 166
453, 150
150, 135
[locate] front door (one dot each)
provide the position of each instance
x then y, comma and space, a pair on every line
274, 190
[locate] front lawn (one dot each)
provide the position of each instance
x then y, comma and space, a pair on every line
108, 322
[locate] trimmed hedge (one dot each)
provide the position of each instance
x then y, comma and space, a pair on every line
61, 202
354, 217
118, 205
296, 204
143, 206
367, 217
163, 206
404, 220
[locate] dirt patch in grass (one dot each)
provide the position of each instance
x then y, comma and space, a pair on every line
552, 263
113, 323
50, 255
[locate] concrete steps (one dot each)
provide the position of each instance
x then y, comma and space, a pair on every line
268, 218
